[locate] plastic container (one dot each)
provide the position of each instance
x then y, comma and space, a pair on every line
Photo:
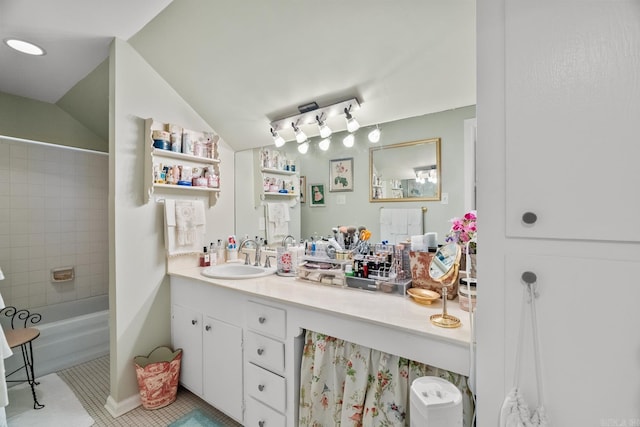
465, 296
158, 375
435, 402
161, 144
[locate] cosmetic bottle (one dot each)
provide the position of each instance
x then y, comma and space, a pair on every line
204, 258
213, 254
220, 252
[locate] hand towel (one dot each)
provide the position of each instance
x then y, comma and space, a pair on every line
277, 221
185, 226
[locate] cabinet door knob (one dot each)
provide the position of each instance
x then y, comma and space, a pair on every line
194, 322
262, 319
529, 277
208, 327
529, 218
260, 351
261, 387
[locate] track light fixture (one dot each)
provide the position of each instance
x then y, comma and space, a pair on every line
352, 123
325, 131
374, 135
300, 135
349, 140
324, 144
311, 114
303, 147
277, 139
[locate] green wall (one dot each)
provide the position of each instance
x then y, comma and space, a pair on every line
40, 121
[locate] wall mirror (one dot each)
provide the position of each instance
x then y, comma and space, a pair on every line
409, 171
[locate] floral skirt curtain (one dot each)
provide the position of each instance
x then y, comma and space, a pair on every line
345, 384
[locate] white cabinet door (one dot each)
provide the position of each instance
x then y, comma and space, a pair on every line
572, 108
186, 333
222, 344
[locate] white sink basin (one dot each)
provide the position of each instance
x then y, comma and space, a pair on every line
236, 271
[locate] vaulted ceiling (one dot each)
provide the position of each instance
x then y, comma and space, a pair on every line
241, 65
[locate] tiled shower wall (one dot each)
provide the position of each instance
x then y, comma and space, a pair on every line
53, 213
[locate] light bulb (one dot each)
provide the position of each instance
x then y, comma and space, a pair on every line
300, 135
374, 135
352, 123
277, 139
348, 140
325, 131
324, 144
303, 148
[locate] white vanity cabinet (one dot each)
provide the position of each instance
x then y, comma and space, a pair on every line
204, 325
265, 378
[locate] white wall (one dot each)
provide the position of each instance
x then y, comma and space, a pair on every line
138, 285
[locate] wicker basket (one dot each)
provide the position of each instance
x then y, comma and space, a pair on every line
158, 375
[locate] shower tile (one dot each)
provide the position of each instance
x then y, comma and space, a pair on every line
22, 302
36, 245
5, 230
37, 289
18, 151
37, 300
83, 292
19, 278
38, 275
39, 229
21, 291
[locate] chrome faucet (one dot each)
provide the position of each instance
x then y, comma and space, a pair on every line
246, 256
288, 237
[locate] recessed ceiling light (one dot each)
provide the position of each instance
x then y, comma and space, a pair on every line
24, 47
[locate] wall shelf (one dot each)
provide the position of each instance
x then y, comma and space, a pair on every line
277, 171
279, 177
155, 156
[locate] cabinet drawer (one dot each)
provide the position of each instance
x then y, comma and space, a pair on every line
266, 320
265, 352
266, 386
259, 415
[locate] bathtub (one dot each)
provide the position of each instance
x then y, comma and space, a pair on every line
70, 333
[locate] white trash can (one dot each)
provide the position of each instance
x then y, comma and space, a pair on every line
435, 402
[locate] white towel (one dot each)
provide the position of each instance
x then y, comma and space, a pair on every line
277, 221
399, 221
184, 226
398, 225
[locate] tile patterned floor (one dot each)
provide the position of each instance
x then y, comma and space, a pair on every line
90, 382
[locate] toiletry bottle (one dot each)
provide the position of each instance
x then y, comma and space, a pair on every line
220, 252
204, 258
213, 254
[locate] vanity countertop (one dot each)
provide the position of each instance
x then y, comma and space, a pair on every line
376, 308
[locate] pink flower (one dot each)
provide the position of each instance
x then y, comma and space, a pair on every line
464, 230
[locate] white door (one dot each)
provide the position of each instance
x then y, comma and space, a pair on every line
186, 333
223, 366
